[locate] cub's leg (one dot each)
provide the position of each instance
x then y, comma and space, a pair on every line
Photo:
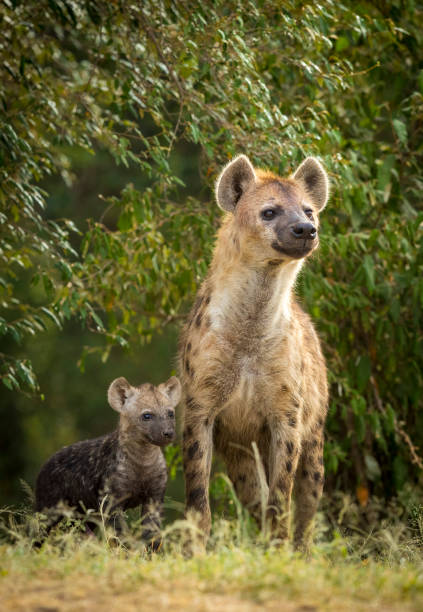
151, 522
308, 489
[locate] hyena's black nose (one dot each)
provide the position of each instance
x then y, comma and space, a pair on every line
304, 230
168, 433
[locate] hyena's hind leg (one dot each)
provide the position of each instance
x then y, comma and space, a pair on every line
308, 489
252, 489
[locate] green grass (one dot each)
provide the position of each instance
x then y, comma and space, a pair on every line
378, 570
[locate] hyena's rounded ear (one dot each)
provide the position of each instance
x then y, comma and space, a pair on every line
118, 393
172, 389
235, 178
314, 180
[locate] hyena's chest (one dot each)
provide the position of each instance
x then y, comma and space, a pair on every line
243, 372
237, 362
134, 485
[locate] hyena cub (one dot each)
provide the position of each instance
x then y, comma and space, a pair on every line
251, 366
125, 468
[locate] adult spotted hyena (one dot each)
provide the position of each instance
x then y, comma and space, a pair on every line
251, 365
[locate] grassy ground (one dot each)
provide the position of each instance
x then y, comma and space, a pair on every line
382, 571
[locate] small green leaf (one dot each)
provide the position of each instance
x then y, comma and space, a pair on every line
401, 130
342, 43
97, 319
10, 382
372, 467
51, 315
369, 269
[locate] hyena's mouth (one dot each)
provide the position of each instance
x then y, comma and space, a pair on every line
161, 440
298, 251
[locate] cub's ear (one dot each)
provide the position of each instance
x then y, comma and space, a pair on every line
314, 181
172, 389
233, 181
118, 393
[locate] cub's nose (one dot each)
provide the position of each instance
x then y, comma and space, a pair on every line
168, 433
305, 231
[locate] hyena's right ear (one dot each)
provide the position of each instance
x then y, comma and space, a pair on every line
235, 178
118, 394
172, 389
313, 178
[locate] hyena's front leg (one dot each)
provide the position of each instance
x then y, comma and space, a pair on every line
151, 521
283, 461
308, 489
197, 455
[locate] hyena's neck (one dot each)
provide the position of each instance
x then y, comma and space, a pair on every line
249, 291
133, 452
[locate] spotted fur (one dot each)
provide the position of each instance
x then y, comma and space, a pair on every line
123, 469
251, 365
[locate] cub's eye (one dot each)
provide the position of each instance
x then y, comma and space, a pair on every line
171, 414
268, 213
147, 416
309, 213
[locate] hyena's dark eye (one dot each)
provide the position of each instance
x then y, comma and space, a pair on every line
147, 416
268, 213
309, 213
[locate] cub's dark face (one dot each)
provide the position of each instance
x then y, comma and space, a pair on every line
147, 412
151, 415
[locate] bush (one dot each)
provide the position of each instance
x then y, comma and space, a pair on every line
277, 81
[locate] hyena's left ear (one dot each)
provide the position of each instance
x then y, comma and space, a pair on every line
233, 181
314, 180
172, 389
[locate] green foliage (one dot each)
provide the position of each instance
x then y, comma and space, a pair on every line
277, 81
